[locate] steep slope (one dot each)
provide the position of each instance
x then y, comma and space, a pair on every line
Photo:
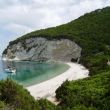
15, 97
87, 37
42, 49
90, 31
92, 93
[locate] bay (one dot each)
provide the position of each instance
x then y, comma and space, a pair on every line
30, 73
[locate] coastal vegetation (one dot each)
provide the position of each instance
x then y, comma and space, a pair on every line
92, 93
90, 31
15, 97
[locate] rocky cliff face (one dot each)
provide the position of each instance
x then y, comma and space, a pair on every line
42, 49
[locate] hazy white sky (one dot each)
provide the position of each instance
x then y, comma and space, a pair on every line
18, 17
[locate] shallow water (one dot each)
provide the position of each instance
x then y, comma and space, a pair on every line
29, 73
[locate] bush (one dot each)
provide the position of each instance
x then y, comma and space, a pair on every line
90, 92
16, 96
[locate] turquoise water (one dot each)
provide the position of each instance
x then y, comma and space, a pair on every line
29, 73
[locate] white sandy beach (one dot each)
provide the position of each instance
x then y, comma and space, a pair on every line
47, 89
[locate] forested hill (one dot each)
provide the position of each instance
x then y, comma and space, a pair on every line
90, 31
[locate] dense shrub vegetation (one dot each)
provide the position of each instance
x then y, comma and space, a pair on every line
93, 92
15, 97
92, 33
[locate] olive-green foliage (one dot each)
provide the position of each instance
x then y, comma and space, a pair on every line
82, 107
2, 105
95, 63
90, 92
46, 105
14, 95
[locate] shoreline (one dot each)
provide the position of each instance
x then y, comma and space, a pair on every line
47, 88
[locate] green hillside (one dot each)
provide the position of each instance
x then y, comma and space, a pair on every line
92, 33
15, 97
89, 94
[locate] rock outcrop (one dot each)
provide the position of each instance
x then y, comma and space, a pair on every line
42, 49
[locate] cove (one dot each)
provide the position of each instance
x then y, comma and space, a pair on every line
30, 73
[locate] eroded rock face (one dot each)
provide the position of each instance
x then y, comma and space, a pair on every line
42, 49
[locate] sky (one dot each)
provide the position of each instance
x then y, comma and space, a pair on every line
18, 17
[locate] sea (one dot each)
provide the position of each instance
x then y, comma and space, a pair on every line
29, 72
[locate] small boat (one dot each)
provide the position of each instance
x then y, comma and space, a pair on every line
10, 70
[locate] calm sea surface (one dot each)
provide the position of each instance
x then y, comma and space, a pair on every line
29, 73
